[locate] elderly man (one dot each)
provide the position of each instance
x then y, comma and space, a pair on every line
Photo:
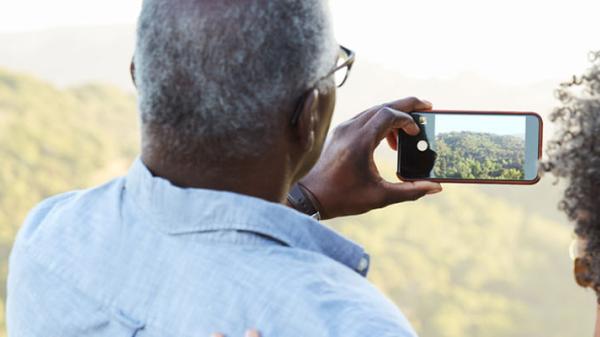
201, 235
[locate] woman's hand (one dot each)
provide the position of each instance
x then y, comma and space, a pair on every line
249, 333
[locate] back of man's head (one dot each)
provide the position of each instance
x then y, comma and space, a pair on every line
218, 80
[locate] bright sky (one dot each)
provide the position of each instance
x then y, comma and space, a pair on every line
500, 125
513, 41
28, 15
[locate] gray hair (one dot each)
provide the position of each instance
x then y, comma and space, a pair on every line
222, 77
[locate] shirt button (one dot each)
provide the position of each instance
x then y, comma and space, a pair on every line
363, 264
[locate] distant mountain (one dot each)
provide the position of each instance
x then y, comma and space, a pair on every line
72, 56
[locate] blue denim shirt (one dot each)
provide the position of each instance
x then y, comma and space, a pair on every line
141, 257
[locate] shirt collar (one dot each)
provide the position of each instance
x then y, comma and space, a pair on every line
177, 210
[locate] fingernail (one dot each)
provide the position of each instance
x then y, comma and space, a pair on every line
427, 102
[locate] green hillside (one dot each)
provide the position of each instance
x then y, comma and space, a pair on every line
462, 263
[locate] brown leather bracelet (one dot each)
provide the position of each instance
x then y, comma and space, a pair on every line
304, 201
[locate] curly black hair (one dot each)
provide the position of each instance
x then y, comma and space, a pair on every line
574, 154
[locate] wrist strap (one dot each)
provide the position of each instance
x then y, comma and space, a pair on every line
303, 201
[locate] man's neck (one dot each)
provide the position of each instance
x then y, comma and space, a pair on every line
265, 179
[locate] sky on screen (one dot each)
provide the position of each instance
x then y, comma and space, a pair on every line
496, 124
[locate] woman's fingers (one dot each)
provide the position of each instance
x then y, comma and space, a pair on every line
249, 333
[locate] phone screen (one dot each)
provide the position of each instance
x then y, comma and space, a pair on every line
471, 147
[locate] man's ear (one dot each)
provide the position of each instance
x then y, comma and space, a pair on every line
308, 120
132, 71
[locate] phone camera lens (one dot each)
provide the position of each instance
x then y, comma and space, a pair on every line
422, 145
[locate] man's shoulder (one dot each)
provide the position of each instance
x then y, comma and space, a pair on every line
66, 208
329, 296
72, 199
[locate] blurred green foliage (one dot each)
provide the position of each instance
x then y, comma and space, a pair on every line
461, 263
476, 155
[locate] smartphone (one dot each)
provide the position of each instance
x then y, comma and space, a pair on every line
482, 147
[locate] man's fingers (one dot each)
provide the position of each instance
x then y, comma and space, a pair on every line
409, 191
410, 104
387, 120
252, 333
392, 139
395, 115
363, 117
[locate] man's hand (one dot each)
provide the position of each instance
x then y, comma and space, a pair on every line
345, 180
